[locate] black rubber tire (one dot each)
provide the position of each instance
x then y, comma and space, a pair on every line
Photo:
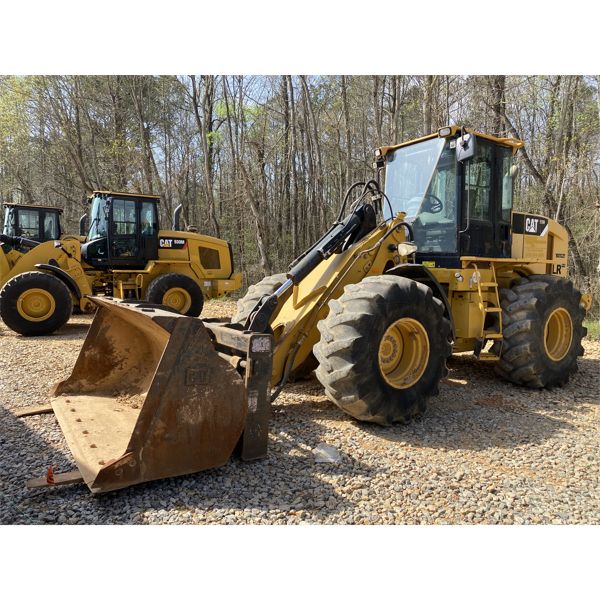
348, 349
163, 283
525, 309
265, 287
13, 289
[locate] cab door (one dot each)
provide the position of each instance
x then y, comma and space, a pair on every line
124, 234
478, 236
504, 190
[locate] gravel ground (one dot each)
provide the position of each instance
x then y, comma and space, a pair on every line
485, 452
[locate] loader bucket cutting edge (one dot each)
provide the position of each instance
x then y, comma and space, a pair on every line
149, 398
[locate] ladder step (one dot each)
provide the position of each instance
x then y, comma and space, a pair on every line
488, 356
492, 335
491, 284
493, 309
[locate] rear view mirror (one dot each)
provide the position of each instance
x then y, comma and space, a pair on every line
465, 147
83, 225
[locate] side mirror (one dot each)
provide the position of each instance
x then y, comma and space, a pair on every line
465, 147
83, 225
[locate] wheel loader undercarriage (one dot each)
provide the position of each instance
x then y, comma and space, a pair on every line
376, 305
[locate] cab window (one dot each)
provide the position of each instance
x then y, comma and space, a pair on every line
478, 183
9, 222
123, 217
29, 224
51, 226
148, 219
506, 161
435, 223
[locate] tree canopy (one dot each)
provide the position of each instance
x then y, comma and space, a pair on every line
263, 161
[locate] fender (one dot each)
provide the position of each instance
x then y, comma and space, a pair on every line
63, 276
425, 276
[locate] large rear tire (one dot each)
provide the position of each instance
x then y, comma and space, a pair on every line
265, 287
383, 349
542, 329
35, 303
178, 292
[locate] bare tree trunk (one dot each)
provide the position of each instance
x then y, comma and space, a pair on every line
265, 262
348, 133
203, 104
428, 104
377, 94
114, 88
295, 208
498, 86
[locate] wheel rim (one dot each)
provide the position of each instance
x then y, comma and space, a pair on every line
36, 305
403, 353
558, 334
178, 299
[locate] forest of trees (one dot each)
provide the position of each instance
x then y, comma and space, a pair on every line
263, 161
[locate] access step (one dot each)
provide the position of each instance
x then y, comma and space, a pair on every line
490, 356
492, 335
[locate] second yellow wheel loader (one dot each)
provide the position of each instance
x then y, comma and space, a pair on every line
435, 263
124, 255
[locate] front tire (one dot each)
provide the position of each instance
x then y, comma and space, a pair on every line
178, 292
542, 328
265, 287
35, 303
383, 349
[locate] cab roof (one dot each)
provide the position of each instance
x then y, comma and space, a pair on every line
513, 143
35, 206
127, 194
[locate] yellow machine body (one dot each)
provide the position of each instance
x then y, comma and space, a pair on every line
206, 259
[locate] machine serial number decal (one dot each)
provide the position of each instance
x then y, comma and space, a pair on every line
172, 243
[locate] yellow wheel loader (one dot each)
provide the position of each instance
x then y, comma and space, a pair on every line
124, 256
434, 263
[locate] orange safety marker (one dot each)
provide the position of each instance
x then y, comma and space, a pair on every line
50, 476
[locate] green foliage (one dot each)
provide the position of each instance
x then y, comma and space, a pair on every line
214, 137
593, 328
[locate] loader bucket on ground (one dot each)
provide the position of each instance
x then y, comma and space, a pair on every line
150, 397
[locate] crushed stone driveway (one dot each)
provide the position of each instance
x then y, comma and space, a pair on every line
485, 452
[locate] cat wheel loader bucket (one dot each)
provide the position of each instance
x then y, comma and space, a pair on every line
150, 397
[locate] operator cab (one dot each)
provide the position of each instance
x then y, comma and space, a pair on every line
123, 231
37, 223
456, 207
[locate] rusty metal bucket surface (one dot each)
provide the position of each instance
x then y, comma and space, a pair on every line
148, 398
